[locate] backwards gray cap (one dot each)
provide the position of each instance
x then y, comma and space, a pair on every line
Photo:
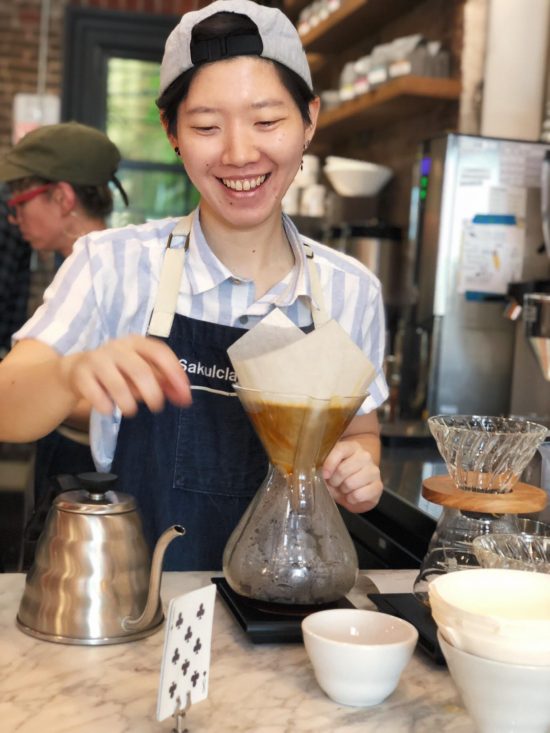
278, 41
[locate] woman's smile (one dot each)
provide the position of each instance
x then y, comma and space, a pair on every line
244, 184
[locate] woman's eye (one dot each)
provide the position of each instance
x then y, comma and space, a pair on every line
268, 123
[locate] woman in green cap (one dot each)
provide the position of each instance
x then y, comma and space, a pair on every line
237, 104
58, 177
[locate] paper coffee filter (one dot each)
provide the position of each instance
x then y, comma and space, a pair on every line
276, 356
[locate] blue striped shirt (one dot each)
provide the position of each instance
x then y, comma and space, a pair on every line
107, 287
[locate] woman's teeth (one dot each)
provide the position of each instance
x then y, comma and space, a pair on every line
243, 184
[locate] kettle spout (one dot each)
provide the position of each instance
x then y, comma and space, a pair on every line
152, 603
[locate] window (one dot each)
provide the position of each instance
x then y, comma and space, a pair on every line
111, 75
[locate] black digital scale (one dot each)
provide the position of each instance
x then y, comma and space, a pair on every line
270, 623
409, 608
276, 623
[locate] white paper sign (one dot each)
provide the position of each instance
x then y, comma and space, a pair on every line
491, 257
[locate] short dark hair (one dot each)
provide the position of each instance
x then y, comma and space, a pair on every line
228, 24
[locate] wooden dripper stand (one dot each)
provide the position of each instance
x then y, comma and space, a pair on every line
520, 499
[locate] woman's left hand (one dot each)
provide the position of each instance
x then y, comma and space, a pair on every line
352, 477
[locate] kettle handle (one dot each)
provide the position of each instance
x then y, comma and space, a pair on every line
55, 485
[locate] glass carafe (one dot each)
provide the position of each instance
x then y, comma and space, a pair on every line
291, 545
451, 546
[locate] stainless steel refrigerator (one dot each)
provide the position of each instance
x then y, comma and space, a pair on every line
475, 227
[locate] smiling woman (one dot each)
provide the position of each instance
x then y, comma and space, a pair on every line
237, 104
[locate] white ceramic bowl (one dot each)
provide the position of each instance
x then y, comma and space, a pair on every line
358, 181
501, 698
358, 656
498, 614
335, 161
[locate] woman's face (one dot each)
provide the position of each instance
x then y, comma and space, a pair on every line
241, 139
39, 220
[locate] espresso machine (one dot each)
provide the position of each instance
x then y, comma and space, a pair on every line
530, 394
530, 308
476, 225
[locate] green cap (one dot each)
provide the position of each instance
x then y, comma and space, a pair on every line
68, 152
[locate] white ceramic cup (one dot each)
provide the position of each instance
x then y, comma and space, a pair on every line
291, 200
358, 656
308, 174
313, 200
500, 697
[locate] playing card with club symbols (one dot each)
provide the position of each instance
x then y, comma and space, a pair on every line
185, 664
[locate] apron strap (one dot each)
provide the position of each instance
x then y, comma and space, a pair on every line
318, 310
166, 301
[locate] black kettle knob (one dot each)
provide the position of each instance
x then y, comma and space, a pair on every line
97, 483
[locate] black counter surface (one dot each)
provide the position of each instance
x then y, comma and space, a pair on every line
396, 533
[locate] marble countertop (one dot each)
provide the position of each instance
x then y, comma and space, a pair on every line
265, 688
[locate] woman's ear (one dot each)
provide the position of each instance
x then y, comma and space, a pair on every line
171, 138
65, 197
314, 108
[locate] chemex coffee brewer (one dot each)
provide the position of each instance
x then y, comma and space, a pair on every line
300, 391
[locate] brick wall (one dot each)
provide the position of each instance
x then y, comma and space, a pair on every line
20, 39
19, 53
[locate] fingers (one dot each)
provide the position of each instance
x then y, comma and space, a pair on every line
127, 371
352, 477
125, 377
88, 387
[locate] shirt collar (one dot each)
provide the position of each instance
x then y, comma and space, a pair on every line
205, 271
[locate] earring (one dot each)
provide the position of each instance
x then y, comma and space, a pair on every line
306, 144
177, 151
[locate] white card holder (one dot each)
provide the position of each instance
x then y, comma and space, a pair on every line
185, 666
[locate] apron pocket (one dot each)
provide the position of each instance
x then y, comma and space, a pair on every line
218, 451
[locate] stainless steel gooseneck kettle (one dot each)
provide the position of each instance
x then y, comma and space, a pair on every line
93, 581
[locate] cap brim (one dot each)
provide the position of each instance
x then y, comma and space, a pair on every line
13, 171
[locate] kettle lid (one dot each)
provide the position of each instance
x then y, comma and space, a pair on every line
96, 496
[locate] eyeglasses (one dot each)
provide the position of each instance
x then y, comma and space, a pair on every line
25, 197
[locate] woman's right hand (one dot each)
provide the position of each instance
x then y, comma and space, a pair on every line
126, 371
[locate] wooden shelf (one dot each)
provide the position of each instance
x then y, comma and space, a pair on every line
317, 61
393, 100
293, 7
354, 20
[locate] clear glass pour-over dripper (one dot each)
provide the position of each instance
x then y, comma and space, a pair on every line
291, 545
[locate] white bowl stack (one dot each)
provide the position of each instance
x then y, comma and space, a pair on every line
351, 177
495, 613
494, 631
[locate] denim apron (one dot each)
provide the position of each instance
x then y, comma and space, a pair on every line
197, 466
